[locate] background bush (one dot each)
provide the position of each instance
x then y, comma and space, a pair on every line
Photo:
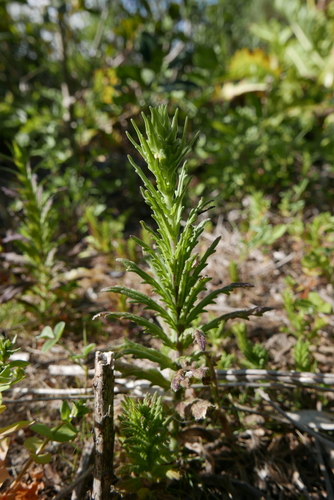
255, 77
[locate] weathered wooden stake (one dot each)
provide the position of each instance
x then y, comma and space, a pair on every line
103, 425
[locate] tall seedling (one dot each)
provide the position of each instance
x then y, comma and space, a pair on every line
37, 241
175, 265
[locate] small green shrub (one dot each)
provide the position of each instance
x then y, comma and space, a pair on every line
306, 316
255, 355
145, 437
37, 241
53, 337
304, 361
11, 371
259, 232
319, 242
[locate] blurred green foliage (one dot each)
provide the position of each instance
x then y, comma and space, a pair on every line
255, 77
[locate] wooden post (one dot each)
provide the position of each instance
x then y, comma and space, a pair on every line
103, 425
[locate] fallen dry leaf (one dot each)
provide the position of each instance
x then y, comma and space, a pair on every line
4, 445
23, 491
194, 406
200, 339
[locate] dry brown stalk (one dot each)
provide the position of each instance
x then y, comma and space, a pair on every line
103, 425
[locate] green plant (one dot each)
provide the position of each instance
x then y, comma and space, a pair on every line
271, 130
304, 361
306, 316
292, 204
53, 336
145, 437
11, 371
256, 355
319, 242
215, 336
36, 239
259, 232
64, 432
225, 361
175, 266
177, 298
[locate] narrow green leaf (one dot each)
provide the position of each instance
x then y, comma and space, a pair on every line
277, 232
143, 352
203, 261
152, 328
5, 431
151, 374
147, 183
189, 301
17, 363
210, 298
140, 298
243, 314
87, 349
148, 279
65, 410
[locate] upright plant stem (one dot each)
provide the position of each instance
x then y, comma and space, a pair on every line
219, 412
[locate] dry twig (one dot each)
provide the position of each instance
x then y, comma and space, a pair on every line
63, 493
324, 471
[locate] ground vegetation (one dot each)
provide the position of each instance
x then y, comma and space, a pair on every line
255, 80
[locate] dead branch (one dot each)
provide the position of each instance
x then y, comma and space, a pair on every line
103, 425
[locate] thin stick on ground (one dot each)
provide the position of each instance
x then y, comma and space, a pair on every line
299, 426
85, 461
63, 493
324, 471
